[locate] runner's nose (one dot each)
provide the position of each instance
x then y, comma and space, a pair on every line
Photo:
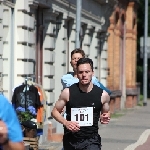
76, 59
84, 74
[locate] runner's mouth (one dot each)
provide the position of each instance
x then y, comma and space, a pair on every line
84, 79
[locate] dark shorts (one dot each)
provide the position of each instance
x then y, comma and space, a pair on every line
91, 143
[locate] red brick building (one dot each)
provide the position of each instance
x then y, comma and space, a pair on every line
122, 47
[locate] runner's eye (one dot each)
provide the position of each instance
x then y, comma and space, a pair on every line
87, 71
80, 72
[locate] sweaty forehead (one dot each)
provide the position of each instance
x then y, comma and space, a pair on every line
77, 55
84, 67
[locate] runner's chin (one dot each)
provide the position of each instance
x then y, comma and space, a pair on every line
84, 82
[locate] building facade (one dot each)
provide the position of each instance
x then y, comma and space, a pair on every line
37, 37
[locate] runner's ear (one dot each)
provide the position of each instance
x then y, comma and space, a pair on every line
93, 73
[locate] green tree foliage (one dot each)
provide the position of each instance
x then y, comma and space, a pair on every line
140, 30
141, 17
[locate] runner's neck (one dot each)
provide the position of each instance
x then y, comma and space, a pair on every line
75, 74
86, 88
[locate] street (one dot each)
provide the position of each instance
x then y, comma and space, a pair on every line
126, 130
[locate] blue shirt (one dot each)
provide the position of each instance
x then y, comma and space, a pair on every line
68, 79
9, 117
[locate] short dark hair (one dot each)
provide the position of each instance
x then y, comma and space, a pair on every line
78, 50
85, 61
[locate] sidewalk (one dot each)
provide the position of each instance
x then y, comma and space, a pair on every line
128, 132
51, 146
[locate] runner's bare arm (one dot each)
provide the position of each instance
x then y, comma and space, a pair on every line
105, 113
105, 102
56, 112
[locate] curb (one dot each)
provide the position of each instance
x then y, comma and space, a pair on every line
141, 140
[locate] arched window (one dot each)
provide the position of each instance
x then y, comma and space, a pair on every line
117, 17
122, 24
134, 22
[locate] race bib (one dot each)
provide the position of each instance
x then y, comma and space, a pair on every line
84, 116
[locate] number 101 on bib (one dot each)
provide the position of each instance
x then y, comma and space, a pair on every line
84, 116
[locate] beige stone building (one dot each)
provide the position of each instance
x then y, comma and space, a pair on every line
37, 37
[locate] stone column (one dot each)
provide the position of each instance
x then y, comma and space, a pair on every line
1, 46
116, 71
49, 58
72, 27
60, 54
95, 51
24, 54
8, 49
65, 44
110, 78
86, 39
134, 55
104, 63
130, 57
129, 45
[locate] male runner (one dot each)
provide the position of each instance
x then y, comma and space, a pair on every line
11, 137
84, 101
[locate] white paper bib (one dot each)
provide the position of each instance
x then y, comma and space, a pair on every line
84, 116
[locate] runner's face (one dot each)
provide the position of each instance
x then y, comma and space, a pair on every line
74, 59
84, 73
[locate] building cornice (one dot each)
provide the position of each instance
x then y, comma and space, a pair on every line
7, 3
72, 8
36, 3
64, 7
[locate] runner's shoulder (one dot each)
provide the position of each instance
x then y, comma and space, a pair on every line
98, 88
66, 76
74, 85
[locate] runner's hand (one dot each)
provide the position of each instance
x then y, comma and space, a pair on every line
3, 132
63, 111
105, 118
72, 126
